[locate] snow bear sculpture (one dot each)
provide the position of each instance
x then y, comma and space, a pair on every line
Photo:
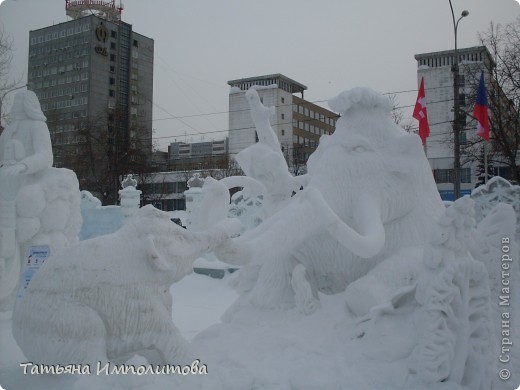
369, 193
108, 298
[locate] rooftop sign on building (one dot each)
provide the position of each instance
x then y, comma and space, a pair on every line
104, 9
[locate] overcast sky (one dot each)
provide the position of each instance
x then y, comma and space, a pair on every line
328, 45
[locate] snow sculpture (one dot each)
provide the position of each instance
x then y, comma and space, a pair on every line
193, 197
444, 292
91, 303
247, 210
497, 190
130, 197
267, 174
264, 161
369, 194
39, 205
456, 344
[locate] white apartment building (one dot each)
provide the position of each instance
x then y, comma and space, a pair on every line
298, 123
436, 68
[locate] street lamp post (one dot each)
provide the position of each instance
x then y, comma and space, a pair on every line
2, 100
456, 108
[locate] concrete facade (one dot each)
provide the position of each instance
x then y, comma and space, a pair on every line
180, 150
298, 123
436, 68
93, 70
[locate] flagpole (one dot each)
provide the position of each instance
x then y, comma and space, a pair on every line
456, 107
485, 163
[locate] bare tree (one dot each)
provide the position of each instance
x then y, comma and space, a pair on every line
503, 42
98, 153
398, 116
6, 56
6, 84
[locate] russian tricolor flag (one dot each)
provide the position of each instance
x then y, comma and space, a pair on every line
481, 110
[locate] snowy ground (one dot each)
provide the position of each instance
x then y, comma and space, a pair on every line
199, 302
240, 355
258, 349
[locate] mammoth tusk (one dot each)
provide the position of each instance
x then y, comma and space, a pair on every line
366, 215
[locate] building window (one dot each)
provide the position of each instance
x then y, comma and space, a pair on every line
443, 175
283, 100
113, 34
283, 116
111, 93
136, 44
112, 45
283, 132
465, 175
112, 57
112, 68
112, 81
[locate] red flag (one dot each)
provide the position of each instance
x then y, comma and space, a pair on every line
481, 110
420, 113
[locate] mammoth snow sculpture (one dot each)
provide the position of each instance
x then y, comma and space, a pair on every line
369, 194
108, 298
39, 205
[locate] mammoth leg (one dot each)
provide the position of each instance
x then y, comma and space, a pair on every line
305, 295
273, 288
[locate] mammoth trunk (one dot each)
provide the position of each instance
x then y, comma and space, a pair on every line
371, 238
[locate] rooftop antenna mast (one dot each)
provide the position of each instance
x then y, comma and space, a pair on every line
105, 9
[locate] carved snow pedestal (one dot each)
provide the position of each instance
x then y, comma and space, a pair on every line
193, 199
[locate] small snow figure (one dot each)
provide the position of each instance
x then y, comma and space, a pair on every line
129, 181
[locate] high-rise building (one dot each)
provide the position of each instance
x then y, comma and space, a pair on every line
436, 68
94, 78
298, 123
